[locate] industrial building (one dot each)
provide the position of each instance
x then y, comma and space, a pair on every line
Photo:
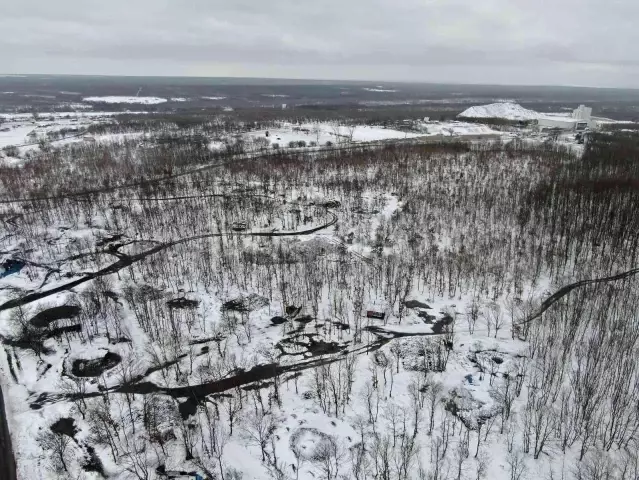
580, 120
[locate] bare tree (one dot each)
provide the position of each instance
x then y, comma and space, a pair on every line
56, 444
516, 465
257, 428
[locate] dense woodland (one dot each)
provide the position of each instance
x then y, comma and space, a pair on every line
178, 257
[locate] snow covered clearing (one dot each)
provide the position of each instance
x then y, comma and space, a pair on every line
124, 99
320, 134
379, 90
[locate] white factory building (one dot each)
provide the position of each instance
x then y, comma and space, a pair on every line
580, 120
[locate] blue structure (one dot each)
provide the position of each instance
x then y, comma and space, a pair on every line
469, 378
10, 267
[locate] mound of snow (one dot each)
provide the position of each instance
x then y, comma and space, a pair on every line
508, 111
379, 90
119, 99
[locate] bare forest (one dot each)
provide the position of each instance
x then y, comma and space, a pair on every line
406, 311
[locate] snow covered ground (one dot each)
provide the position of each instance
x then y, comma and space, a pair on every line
404, 233
380, 89
124, 99
321, 133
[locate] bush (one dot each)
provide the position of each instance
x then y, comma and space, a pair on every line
11, 151
301, 144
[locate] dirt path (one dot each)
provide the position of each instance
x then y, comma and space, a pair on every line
126, 260
563, 291
7, 460
251, 378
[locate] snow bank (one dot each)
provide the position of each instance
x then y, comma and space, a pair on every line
121, 99
380, 90
508, 111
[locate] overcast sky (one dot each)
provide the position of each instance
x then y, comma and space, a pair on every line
558, 42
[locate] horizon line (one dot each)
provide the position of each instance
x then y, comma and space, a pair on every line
331, 80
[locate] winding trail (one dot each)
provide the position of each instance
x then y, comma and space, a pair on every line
128, 260
563, 291
260, 373
233, 159
254, 156
240, 378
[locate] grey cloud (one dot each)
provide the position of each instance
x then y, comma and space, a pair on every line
498, 41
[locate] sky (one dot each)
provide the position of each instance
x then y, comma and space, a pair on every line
542, 42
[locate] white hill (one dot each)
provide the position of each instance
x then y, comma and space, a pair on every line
508, 111
120, 99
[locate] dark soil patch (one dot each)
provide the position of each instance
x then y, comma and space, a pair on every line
428, 318
439, 325
93, 462
34, 344
278, 320
188, 408
257, 386
112, 295
498, 360
309, 344
65, 426
163, 472
183, 303
149, 292
341, 325
106, 240
245, 304
11, 369
115, 341
46, 317
95, 367
57, 332
304, 319
320, 347
415, 304
200, 341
